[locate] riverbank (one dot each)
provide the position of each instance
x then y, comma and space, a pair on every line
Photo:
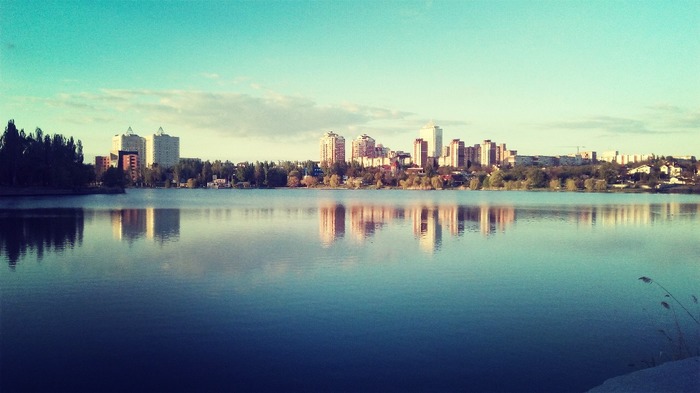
45, 191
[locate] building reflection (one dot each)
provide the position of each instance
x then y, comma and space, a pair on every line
40, 231
331, 223
366, 220
429, 222
161, 225
427, 227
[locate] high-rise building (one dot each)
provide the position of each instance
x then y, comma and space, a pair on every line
433, 135
363, 146
129, 142
472, 155
332, 148
488, 153
457, 154
162, 149
420, 152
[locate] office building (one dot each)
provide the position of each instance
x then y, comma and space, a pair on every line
433, 135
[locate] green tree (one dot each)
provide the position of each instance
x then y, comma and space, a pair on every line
114, 177
275, 177
496, 180
536, 178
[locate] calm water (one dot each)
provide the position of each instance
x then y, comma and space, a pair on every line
300, 290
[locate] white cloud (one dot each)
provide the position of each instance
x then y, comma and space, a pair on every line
658, 120
227, 114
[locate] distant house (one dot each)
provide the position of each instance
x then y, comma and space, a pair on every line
640, 169
671, 170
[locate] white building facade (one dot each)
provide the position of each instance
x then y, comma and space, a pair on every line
129, 142
162, 149
433, 135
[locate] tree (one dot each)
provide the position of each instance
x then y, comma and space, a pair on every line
555, 184
192, 183
589, 184
601, 185
293, 179
436, 182
259, 174
114, 177
276, 177
334, 181
42, 160
536, 178
474, 183
310, 181
496, 180
571, 185
425, 182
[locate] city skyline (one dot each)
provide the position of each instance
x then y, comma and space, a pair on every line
248, 81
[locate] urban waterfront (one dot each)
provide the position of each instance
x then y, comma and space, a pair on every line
341, 290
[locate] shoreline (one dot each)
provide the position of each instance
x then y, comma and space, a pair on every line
45, 191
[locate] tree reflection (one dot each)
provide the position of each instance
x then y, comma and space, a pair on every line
39, 230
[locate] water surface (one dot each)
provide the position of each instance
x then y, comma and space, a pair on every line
303, 290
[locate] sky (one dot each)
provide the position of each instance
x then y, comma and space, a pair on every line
263, 80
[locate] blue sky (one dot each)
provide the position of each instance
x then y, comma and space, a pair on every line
263, 80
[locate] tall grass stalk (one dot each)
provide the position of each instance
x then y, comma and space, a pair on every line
648, 280
683, 348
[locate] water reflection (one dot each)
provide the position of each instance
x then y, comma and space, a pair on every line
39, 230
162, 225
331, 223
430, 221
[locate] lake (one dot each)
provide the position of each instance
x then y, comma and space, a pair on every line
341, 290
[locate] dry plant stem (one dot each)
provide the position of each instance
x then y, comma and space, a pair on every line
649, 280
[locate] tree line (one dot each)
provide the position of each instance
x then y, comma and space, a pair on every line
42, 160
268, 174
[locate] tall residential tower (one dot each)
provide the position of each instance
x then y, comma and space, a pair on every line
162, 149
433, 135
363, 146
332, 148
